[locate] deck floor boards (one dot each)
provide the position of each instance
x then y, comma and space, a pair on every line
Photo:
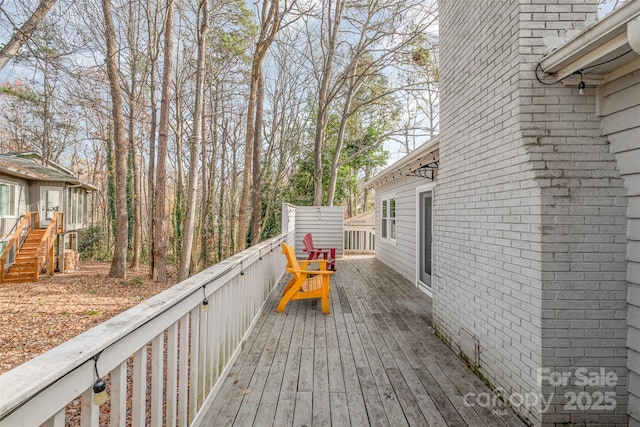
374, 361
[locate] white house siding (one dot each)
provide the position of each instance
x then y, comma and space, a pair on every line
620, 108
401, 254
529, 222
325, 223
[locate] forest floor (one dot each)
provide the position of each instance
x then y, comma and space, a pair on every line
35, 317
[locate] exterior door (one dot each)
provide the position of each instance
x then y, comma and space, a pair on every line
50, 202
425, 237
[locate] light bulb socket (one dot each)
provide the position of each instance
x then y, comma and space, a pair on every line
205, 305
581, 87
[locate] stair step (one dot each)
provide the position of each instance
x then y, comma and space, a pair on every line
24, 261
19, 279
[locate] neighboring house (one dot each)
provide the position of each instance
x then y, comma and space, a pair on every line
26, 185
535, 257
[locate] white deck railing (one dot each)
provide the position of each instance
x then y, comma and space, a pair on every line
359, 239
161, 359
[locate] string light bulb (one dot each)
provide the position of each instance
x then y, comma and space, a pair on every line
99, 387
581, 85
99, 392
205, 302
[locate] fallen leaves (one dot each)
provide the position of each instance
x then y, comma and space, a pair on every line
35, 317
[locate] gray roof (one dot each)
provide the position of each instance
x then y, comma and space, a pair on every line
364, 219
29, 166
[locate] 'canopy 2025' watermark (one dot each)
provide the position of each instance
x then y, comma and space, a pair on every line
597, 394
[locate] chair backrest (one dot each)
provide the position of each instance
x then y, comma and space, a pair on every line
292, 261
307, 241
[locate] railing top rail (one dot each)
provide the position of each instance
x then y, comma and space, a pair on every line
18, 386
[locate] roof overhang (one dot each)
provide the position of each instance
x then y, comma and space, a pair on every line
27, 166
425, 158
602, 52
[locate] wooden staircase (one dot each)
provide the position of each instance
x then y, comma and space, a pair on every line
34, 252
24, 267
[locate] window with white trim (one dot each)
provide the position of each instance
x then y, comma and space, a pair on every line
7, 199
389, 218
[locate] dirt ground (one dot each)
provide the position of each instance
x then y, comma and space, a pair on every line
35, 317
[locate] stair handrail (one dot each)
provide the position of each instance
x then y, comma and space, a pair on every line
56, 225
15, 242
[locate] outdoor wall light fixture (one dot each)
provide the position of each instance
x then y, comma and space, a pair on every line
205, 301
99, 387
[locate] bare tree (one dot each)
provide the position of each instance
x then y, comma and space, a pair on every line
331, 20
25, 32
159, 272
119, 261
270, 23
195, 143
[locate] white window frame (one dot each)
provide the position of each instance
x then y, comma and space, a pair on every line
389, 233
15, 201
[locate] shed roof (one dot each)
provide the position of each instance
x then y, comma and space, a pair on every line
363, 219
29, 166
423, 156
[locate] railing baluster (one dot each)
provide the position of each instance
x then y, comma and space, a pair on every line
218, 334
194, 362
118, 396
172, 375
157, 380
139, 405
202, 356
183, 373
58, 420
89, 413
211, 333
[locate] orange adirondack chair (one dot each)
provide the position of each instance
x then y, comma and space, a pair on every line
305, 284
328, 254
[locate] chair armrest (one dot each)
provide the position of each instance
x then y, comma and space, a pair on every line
314, 272
325, 250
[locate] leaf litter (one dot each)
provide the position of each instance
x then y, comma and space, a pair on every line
35, 317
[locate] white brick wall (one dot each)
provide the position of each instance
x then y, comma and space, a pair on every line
529, 237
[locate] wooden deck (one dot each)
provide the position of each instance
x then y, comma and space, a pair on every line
373, 361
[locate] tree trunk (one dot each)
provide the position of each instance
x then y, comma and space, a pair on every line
25, 32
324, 100
160, 238
243, 210
194, 149
256, 229
335, 162
133, 110
270, 24
151, 176
119, 262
